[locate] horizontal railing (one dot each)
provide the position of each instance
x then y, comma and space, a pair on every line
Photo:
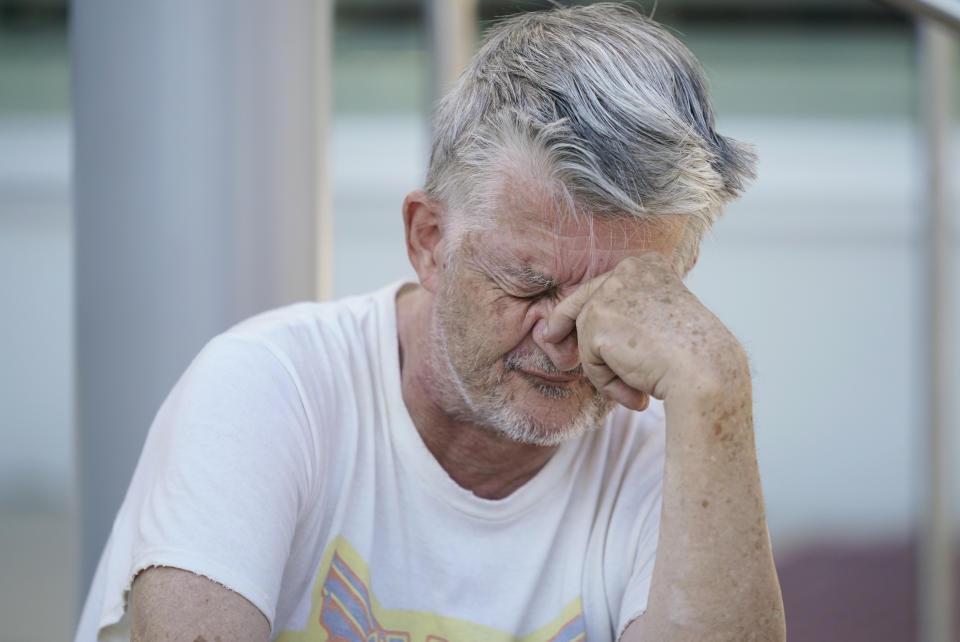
944, 11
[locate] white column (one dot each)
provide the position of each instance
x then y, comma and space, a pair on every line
196, 202
323, 115
937, 67
453, 29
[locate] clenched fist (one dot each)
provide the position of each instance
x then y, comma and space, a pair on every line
641, 332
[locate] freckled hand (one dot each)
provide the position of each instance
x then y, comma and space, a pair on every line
573, 315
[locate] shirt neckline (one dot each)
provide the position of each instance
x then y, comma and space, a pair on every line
418, 459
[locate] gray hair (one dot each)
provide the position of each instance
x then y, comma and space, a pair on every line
602, 102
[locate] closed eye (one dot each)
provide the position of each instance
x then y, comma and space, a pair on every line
535, 295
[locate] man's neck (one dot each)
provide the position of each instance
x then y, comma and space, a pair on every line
476, 457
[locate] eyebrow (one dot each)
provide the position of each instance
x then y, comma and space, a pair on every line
531, 277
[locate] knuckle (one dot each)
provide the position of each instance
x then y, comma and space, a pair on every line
624, 267
588, 315
615, 281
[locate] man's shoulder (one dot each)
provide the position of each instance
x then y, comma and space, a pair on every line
309, 326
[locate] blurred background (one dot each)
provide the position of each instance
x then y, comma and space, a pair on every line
818, 269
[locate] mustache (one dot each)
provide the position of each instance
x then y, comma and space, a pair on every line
535, 360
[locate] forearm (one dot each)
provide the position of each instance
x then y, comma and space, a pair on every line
640, 331
714, 577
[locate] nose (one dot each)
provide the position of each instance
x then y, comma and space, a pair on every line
564, 354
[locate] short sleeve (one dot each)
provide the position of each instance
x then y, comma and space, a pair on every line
227, 466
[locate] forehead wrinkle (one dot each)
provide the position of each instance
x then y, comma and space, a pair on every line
551, 270
527, 229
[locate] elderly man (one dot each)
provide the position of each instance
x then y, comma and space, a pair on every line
477, 456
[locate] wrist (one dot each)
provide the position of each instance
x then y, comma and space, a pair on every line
723, 373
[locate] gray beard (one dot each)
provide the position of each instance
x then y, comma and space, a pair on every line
492, 411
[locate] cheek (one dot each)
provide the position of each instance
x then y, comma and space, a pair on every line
507, 311
475, 325
483, 319
516, 319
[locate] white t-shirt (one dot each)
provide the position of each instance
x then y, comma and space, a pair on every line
284, 465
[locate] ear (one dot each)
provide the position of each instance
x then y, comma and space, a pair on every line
685, 274
422, 217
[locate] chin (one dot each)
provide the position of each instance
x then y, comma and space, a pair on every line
535, 433
546, 421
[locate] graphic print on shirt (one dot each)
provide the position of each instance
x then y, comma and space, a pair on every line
344, 609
